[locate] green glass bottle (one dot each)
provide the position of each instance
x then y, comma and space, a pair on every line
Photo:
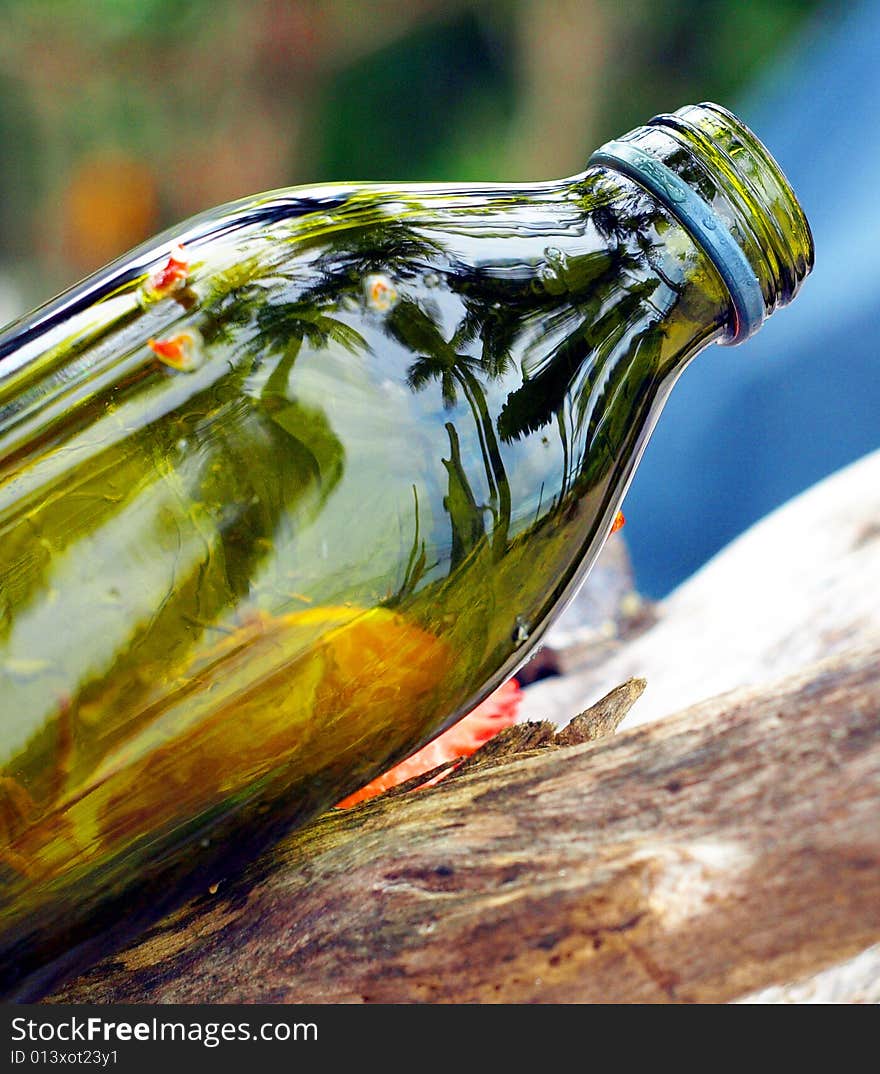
290, 489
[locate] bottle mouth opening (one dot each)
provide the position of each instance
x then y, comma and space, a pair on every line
716, 176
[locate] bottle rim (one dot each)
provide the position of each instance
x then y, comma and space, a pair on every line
714, 174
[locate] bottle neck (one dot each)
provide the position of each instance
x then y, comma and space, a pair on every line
711, 172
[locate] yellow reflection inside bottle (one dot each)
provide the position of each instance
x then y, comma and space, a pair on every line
272, 704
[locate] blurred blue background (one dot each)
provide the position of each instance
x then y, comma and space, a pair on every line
121, 117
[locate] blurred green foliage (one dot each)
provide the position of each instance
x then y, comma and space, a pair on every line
442, 85
120, 117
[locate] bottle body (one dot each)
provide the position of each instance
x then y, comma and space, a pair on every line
277, 507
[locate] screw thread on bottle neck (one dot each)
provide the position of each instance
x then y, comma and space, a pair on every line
712, 173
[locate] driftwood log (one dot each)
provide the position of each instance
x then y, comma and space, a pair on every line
728, 852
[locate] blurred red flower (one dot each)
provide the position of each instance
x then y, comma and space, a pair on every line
461, 740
